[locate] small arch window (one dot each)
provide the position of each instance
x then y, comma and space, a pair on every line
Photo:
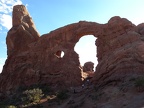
59, 54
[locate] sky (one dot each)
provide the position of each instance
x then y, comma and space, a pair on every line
49, 15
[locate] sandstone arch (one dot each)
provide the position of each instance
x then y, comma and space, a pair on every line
119, 51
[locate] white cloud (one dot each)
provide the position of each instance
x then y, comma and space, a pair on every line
6, 7
6, 21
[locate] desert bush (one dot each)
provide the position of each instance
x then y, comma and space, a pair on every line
45, 88
62, 94
11, 106
32, 95
7, 106
139, 82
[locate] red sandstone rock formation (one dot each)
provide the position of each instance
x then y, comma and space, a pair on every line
88, 66
33, 59
23, 31
120, 52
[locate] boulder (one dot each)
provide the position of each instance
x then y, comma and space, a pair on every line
88, 66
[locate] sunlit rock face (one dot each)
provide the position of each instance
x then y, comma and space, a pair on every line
22, 33
38, 60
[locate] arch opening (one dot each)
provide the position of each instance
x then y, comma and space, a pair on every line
59, 54
87, 50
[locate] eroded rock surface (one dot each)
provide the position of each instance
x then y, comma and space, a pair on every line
33, 59
88, 66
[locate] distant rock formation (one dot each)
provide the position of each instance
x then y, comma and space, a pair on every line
87, 70
36, 60
88, 66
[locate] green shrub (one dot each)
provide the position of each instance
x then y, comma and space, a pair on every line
62, 95
11, 106
7, 106
45, 88
32, 96
139, 82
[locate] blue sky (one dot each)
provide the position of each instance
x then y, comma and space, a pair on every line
49, 15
